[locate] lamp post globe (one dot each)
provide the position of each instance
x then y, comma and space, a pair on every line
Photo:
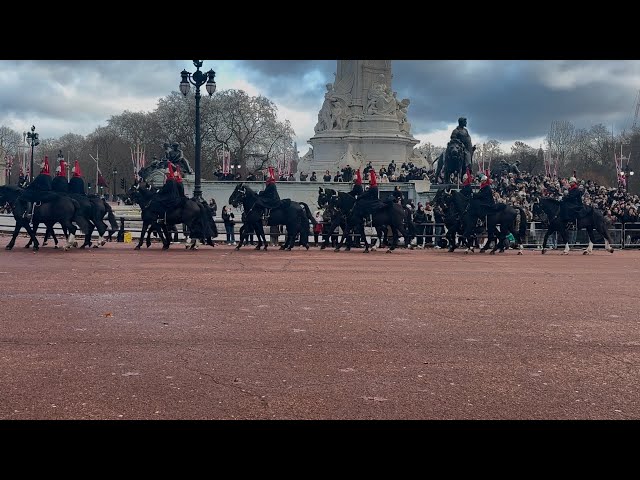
197, 79
32, 138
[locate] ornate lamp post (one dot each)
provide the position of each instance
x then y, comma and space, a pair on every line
627, 173
197, 79
32, 138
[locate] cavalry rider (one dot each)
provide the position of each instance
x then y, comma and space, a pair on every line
39, 190
369, 200
572, 205
179, 181
60, 183
467, 180
357, 189
482, 202
269, 198
461, 134
168, 196
76, 184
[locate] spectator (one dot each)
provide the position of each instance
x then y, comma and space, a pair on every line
313, 177
327, 176
317, 228
229, 223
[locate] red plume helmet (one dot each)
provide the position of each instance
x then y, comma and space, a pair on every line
373, 182
170, 175
45, 167
358, 177
63, 169
76, 169
272, 176
469, 178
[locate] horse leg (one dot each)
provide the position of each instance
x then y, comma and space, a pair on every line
87, 237
71, 239
143, 232
36, 224
544, 240
589, 249
19, 224
166, 236
242, 236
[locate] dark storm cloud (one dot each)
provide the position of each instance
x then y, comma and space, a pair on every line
504, 100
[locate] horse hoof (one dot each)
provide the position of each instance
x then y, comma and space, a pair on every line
238, 248
8, 247
95, 246
611, 250
586, 252
307, 247
288, 249
44, 244
137, 247
74, 244
389, 251
366, 251
259, 247
35, 249
27, 246
519, 252
492, 252
336, 249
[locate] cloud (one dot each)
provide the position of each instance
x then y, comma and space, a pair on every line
506, 100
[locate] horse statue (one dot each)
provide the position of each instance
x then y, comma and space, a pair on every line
592, 219
454, 161
294, 215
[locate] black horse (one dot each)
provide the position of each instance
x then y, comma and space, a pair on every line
383, 215
294, 215
452, 220
336, 203
189, 212
9, 195
94, 209
510, 220
58, 209
592, 219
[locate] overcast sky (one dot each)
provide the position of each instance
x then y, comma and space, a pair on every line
506, 100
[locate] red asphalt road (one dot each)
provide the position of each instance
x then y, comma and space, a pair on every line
113, 333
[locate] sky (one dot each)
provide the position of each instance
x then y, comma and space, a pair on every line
505, 100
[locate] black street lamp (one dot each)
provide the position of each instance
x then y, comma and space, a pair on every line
627, 173
32, 138
197, 79
115, 172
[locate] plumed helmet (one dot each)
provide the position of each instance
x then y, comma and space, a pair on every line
76, 169
573, 180
482, 177
465, 177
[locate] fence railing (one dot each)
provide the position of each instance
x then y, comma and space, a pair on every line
623, 235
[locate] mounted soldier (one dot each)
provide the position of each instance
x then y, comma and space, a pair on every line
76, 183
571, 207
357, 189
60, 183
269, 198
39, 191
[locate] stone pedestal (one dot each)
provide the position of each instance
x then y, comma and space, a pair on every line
360, 121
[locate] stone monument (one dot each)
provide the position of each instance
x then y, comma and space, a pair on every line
360, 120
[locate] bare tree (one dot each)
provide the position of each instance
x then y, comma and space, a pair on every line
561, 140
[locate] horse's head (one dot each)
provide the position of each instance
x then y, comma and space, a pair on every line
238, 195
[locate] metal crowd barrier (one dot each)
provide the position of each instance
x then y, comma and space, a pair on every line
623, 235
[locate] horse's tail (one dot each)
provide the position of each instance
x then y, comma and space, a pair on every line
78, 218
110, 216
206, 219
308, 212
